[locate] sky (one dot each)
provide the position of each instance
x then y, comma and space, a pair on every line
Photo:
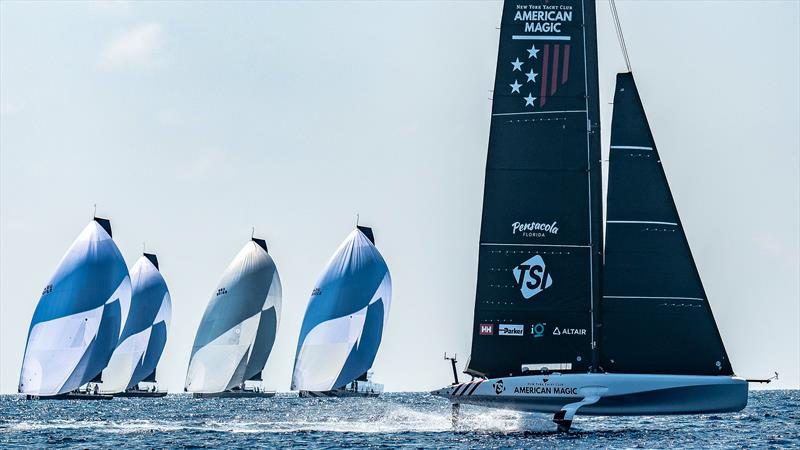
188, 124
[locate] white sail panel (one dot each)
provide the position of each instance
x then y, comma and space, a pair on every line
229, 329
76, 324
345, 318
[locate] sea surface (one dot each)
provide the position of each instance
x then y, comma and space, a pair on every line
415, 420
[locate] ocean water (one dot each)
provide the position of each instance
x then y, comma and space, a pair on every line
417, 420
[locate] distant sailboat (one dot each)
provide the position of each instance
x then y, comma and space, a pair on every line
238, 328
344, 322
558, 328
77, 322
145, 334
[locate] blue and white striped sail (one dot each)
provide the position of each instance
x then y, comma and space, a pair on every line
145, 332
78, 320
239, 326
345, 318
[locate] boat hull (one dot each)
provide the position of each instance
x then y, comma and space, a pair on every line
618, 394
234, 394
141, 394
70, 396
339, 393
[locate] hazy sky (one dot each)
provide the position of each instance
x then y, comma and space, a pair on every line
188, 124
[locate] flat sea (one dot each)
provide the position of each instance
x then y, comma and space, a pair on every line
416, 420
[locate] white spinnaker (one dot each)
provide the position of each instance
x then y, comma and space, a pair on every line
229, 326
71, 339
336, 349
130, 351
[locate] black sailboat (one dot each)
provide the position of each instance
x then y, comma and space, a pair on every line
560, 326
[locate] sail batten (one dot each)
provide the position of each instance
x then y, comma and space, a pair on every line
656, 316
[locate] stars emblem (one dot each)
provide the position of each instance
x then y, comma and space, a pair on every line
517, 65
531, 76
515, 87
533, 52
529, 100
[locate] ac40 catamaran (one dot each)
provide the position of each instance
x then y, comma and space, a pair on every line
564, 325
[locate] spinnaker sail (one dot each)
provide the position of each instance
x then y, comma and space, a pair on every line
540, 247
345, 317
239, 326
656, 317
77, 322
145, 333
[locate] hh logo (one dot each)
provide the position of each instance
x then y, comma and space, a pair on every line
487, 329
532, 277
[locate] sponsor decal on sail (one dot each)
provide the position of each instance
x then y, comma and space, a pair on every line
534, 229
486, 329
510, 330
569, 331
532, 277
537, 330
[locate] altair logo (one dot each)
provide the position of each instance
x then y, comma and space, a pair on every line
532, 277
534, 229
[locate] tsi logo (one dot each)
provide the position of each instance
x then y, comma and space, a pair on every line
532, 277
498, 387
537, 330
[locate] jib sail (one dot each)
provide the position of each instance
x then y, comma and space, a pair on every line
656, 317
539, 257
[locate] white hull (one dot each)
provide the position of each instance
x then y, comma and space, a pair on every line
604, 394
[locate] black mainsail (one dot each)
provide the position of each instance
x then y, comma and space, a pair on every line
656, 317
541, 237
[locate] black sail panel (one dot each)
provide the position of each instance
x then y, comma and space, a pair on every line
539, 257
656, 317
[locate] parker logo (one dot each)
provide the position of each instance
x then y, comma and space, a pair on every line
498, 387
537, 330
532, 277
534, 229
510, 330
486, 329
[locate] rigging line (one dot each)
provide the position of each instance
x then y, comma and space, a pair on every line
620, 37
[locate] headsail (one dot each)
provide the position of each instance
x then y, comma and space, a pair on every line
656, 317
239, 325
77, 322
345, 317
145, 332
541, 231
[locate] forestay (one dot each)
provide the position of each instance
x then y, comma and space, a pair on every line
77, 322
345, 317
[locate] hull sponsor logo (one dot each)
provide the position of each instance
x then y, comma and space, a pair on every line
569, 331
532, 277
510, 330
486, 329
546, 390
498, 387
537, 330
534, 229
